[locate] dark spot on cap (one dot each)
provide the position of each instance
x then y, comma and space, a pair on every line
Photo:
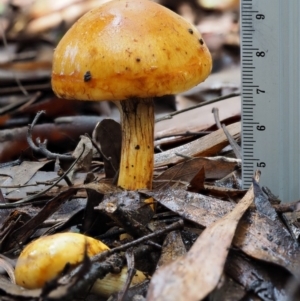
137, 147
190, 30
201, 41
87, 76
138, 59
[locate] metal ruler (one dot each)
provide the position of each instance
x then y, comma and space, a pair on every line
270, 50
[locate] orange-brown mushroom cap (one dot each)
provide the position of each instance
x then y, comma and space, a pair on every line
129, 49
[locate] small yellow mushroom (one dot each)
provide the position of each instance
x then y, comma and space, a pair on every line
45, 258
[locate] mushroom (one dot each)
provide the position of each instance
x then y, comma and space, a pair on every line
45, 258
128, 52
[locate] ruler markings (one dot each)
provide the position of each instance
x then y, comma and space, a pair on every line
270, 47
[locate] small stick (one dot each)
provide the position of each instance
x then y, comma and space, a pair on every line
42, 146
103, 255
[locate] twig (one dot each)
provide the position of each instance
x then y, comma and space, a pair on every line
235, 147
184, 156
186, 134
108, 159
11, 163
169, 116
10, 90
100, 151
215, 111
130, 274
23, 186
42, 146
18, 104
138, 241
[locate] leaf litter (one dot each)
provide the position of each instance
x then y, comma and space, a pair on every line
207, 238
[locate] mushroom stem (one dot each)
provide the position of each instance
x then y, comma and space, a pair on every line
113, 283
136, 167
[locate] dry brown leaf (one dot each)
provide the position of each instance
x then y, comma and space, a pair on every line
205, 146
38, 183
200, 209
256, 235
84, 155
268, 283
198, 119
19, 174
196, 274
268, 240
108, 136
173, 247
183, 174
20, 235
8, 268
180, 175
